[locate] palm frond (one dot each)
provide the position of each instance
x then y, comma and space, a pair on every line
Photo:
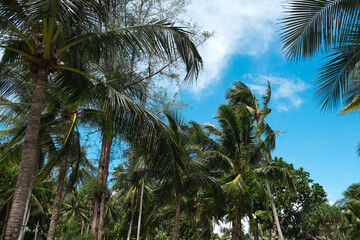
335, 77
311, 25
235, 186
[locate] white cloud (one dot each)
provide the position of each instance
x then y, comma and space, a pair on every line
240, 27
286, 93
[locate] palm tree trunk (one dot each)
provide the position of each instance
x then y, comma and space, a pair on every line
261, 232
237, 224
100, 198
273, 232
101, 230
25, 221
281, 237
131, 222
177, 216
37, 230
58, 199
29, 159
140, 211
6, 219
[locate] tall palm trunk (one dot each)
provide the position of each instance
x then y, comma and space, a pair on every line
58, 199
277, 223
237, 225
140, 210
100, 198
131, 222
29, 159
177, 216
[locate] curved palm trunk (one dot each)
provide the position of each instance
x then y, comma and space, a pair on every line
100, 198
277, 223
177, 216
140, 211
237, 225
29, 159
58, 199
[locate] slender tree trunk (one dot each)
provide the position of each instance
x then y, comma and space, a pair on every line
29, 159
100, 198
131, 222
277, 223
6, 219
140, 210
273, 232
237, 225
177, 216
58, 199
261, 232
37, 230
25, 221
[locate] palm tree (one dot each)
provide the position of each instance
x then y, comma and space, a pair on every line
330, 26
178, 169
117, 115
57, 129
350, 204
35, 36
241, 95
238, 151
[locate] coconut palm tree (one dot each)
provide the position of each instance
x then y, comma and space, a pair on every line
330, 26
59, 140
350, 205
180, 169
237, 150
35, 36
241, 95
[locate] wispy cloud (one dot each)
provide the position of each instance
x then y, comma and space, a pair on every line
240, 27
287, 93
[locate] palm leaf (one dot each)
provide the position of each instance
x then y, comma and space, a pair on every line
311, 25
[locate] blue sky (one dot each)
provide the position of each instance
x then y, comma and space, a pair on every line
246, 47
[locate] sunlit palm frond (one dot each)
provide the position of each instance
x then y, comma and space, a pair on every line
235, 186
310, 25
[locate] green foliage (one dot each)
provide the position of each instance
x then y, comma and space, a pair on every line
324, 220
291, 207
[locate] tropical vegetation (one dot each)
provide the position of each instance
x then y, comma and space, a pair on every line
92, 148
